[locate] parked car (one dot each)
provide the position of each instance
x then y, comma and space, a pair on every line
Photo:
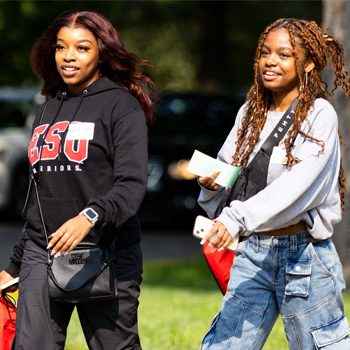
17, 108
185, 122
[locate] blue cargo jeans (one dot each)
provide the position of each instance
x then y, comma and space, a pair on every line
296, 276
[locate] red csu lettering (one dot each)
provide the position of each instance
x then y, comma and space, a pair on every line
33, 153
76, 150
53, 139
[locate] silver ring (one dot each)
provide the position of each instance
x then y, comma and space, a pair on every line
66, 234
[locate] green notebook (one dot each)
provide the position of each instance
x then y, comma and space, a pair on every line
203, 165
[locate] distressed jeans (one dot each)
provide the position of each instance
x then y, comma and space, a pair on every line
295, 276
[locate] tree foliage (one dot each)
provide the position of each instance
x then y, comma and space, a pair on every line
192, 44
336, 18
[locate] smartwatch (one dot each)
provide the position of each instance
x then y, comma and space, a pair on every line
90, 214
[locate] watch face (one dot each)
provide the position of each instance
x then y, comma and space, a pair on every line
91, 214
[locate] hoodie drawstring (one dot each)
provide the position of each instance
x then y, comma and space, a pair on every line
64, 135
40, 145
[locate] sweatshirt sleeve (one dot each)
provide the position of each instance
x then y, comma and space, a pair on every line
16, 258
210, 200
129, 137
308, 185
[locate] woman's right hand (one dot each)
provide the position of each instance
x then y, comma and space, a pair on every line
4, 278
208, 181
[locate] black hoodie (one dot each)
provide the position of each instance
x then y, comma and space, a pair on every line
100, 162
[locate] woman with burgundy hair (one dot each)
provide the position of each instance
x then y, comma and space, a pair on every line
88, 153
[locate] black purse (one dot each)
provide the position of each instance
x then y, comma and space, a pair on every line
82, 275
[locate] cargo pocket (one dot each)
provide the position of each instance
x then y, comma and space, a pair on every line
298, 278
127, 263
332, 336
214, 321
208, 338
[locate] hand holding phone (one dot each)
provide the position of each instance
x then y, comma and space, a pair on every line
203, 225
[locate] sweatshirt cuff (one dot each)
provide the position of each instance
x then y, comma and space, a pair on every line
12, 270
209, 193
232, 226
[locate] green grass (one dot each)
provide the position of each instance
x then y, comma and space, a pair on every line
178, 300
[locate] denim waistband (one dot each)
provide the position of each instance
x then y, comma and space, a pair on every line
292, 240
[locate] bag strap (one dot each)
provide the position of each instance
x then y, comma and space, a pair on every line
31, 170
280, 129
275, 136
33, 178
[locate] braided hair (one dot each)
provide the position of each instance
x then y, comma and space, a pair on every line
317, 46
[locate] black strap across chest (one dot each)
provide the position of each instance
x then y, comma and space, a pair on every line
254, 178
280, 129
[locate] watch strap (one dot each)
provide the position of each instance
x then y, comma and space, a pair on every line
90, 214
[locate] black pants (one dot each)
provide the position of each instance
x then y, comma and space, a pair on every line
111, 324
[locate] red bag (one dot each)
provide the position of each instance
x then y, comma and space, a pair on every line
7, 322
220, 263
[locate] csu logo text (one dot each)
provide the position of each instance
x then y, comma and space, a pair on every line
75, 150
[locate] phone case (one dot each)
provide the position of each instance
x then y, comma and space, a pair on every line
203, 225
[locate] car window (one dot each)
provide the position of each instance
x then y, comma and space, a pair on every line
194, 115
186, 122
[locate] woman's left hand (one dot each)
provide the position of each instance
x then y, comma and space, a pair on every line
222, 238
67, 237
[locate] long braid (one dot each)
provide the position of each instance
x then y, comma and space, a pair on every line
319, 47
254, 120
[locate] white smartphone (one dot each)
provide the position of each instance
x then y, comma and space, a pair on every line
203, 225
9, 284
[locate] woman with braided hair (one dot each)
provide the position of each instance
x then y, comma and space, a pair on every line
286, 262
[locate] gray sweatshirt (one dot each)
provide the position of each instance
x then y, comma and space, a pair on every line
308, 192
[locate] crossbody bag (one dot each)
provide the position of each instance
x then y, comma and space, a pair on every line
84, 274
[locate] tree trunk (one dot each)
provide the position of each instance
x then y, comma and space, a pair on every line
336, 14
213, 55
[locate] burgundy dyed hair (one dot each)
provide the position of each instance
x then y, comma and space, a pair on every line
117, 63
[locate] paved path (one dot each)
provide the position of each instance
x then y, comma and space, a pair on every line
156, 244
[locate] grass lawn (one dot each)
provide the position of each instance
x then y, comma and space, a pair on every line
178, 300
